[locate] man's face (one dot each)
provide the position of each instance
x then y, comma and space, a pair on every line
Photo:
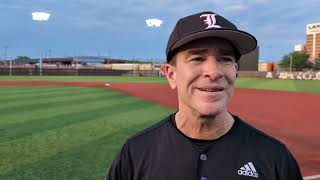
204, 76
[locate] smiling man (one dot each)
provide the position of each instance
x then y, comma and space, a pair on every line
202, 140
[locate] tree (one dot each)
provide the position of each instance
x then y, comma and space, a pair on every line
22, 57
299, 61
316, 65
136, 61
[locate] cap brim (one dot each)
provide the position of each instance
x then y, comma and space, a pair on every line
243, 41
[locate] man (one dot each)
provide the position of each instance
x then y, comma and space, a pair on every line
202, 140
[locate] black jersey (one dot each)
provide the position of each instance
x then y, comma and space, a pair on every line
161, 152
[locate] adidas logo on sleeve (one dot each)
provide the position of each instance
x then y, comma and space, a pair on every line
248, 170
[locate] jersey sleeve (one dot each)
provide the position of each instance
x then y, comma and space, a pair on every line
290, 169
120, 167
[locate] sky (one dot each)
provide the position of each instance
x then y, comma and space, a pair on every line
139, 29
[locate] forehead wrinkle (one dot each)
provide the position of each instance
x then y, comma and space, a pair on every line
216, 50
226, 51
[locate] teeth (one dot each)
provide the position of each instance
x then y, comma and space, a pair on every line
209, 90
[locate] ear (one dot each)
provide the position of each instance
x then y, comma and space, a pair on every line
170, 72
237, 69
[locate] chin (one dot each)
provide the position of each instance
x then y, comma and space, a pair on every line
210, 109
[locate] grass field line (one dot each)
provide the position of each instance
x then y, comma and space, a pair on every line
87, 161
31, 99
44, 101
66, 108
43, 92
42, 106
85, 79
254, 83
272, 85
39, 125
249, 83
10, 90
279, 85
59, 140
14, 90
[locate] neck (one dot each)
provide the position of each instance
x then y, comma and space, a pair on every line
204, 127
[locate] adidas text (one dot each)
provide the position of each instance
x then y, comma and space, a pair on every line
248, 173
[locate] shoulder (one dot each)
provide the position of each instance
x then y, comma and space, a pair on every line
269, 150
261, 144
154, 129
256, 136
151, 134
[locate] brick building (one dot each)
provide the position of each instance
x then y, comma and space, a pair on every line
312, 46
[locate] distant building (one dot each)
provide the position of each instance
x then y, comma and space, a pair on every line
313, 41
299, 48
68, 61
250, 61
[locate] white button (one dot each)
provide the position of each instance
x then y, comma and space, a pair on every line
203, 157
204, 178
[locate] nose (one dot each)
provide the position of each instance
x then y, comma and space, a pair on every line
212, 68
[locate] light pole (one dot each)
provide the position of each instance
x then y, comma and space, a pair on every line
40, 16
49, 56
5, 53
40, 64
10, 66
76, 66
290, 63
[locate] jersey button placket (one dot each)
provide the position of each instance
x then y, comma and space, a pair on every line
203, 157
204, 178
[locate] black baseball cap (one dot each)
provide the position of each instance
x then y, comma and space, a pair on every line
208, 24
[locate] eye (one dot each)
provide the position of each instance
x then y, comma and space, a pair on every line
227, 59
197, 59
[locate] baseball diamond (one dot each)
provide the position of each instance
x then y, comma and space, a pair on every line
303, 143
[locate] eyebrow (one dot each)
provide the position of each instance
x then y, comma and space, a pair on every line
204, 51
196, 51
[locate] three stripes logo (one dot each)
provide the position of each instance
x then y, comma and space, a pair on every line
248, 170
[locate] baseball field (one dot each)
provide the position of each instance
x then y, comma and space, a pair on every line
57, 127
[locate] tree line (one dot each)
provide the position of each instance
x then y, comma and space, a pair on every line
299, 62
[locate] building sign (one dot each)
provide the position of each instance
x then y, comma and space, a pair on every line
313, 28
300, 75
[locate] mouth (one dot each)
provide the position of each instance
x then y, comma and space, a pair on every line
213, 89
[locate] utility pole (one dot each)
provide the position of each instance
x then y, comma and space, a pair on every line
49, 52
109, 56
5, 53
49, 56
40, 64
76, 58
290, 63
10, 66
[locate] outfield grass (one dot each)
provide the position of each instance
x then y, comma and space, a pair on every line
86, 79
256, 83
58, 133
279, 84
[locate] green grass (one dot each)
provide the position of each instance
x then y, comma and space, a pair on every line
278, 84
57, 133
86, 78
256, 83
